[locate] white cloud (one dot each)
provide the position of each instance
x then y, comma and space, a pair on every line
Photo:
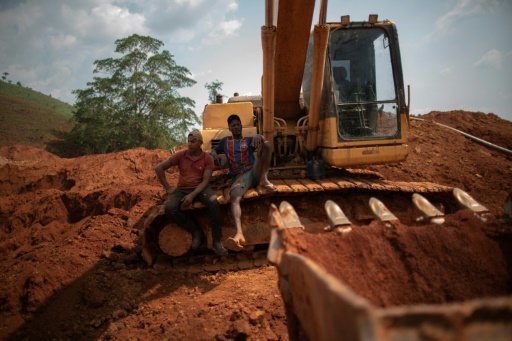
183, 35
232, 6
465, 8
114, 18
219, 27
493, 58
61, 40
445, 71
108, 22
168, 16
225, 29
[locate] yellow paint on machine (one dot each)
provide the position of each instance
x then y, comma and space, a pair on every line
215, 125
358, 156
358, 153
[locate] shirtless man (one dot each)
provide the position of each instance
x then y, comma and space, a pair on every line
244, 169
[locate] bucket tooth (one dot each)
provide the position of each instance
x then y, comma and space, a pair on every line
275, 247
338, 221
274, 218
380, 211
428, 211
289, 216
467, 201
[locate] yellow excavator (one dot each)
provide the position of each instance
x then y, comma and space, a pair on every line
332, 99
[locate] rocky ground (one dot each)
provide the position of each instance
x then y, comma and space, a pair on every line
69, 230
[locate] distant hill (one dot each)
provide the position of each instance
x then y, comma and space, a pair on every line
36, 98
28, 117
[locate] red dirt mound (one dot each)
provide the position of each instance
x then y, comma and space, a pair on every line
68, 232
411, 265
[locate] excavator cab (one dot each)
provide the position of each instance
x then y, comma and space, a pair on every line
360, 98
362, 106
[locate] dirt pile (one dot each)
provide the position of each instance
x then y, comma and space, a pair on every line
69, 231
462, 259
70, 262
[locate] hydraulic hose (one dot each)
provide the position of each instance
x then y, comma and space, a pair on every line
471, 137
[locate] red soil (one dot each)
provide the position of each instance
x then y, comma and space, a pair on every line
70, 267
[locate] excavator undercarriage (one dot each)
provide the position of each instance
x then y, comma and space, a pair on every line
352, 190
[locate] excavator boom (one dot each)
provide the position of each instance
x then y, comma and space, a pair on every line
292, 36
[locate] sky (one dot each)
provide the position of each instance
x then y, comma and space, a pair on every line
456, 54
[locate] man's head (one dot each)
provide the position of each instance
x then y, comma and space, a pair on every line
233, 117
340, 73
195, 140
196, 134
235, 126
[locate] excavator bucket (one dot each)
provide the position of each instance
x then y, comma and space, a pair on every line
321, 304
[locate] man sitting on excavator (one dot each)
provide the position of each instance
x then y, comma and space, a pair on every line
195, 170
246, 171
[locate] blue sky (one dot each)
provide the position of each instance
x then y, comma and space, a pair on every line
456, 54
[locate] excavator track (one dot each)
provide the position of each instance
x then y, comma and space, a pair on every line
165, 243
211, 263
337, 181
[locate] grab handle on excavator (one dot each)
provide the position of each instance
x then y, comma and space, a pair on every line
408, 105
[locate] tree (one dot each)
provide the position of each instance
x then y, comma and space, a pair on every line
137, 103
214, 89
4, 77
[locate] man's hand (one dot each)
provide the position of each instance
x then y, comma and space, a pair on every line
187, 200
216, 158
257, 140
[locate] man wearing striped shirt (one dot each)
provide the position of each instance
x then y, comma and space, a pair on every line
246, 170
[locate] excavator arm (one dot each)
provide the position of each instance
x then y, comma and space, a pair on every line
292, 35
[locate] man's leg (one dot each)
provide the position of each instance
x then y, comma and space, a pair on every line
236, 195
263, 164
237, 191
172, 208
209, 199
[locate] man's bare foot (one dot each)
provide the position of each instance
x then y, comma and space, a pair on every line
233, 244
265, 182
267, 187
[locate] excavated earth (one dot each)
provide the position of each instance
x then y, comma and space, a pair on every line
70, 253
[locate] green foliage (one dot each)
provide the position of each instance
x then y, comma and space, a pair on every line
137, 103
36, 98
214, 89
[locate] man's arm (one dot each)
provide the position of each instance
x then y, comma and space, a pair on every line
160, 174
217, 161
207, 175
219, 148
215, 156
